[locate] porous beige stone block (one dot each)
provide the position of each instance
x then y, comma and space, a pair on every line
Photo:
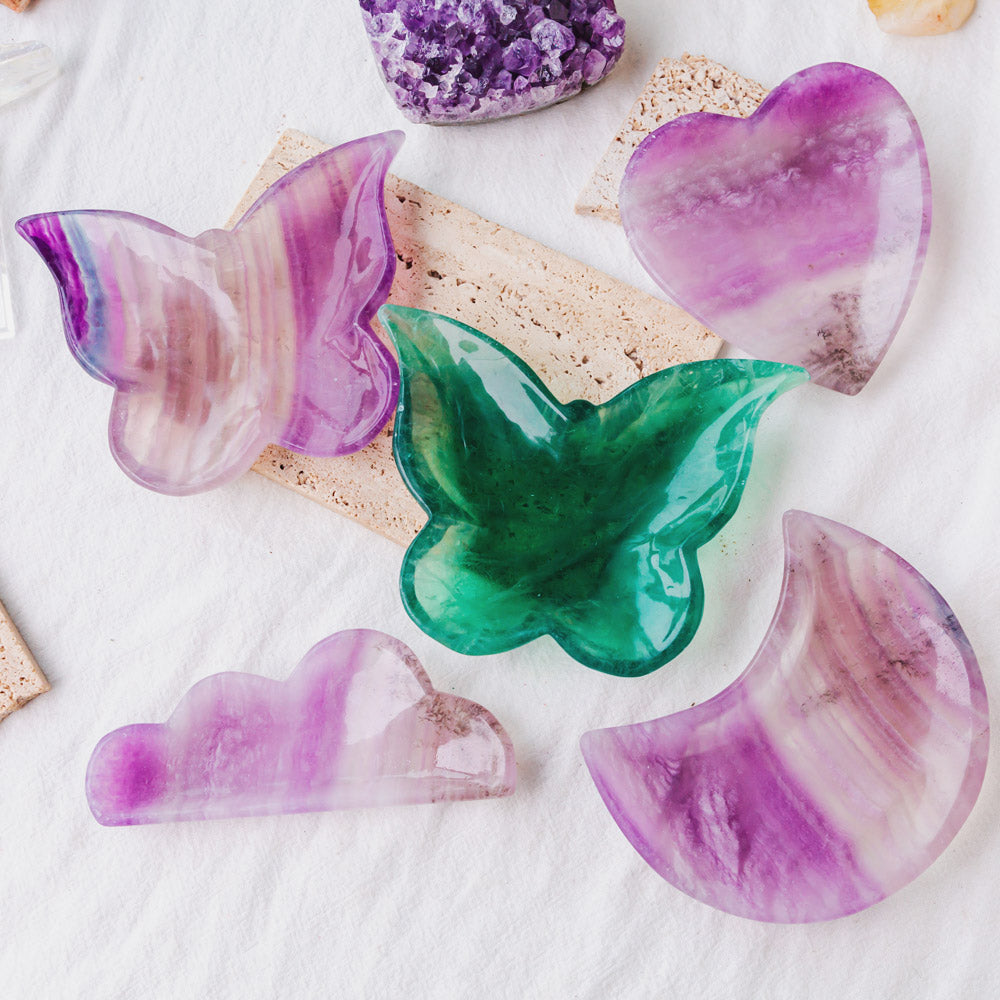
677, 87
21, 679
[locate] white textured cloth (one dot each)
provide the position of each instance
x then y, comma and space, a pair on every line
127, 598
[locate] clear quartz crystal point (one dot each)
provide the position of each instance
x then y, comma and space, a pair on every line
24, 67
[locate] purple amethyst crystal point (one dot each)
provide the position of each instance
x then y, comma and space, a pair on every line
358, 723
798, 233
836, 768
471, 60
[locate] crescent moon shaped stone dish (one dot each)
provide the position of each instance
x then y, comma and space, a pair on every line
798, 233
836, 768
358, 723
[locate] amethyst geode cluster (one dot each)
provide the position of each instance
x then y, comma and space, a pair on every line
469, 60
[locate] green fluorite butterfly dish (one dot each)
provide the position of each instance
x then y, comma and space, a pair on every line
574, 520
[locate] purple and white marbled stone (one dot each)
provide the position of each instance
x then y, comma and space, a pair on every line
447, 61
219, 345
836, 768
798, 233
358, 723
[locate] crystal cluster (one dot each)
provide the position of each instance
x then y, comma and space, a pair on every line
220, 345
358, 723
836, 768
578, 521
468, 60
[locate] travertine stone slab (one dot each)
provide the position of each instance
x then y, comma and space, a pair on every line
588, 335
677, 87
21, 679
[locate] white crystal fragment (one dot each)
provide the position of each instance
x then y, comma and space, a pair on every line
24, 67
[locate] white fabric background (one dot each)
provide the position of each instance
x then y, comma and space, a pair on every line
127, 597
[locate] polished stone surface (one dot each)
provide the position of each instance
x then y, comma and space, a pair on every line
358, 723
836, 768
573, 520
220, 345
798, 233
921, 17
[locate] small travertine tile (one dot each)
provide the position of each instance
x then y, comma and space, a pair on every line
588, 335
677, 87
21, 679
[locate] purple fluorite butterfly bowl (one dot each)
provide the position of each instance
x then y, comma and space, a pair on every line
797, 234
219, 345
446, 61
836, 768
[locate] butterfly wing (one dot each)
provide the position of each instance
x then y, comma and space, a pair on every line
220, 344
321, 236
675, 451
145, 312
475, 432
573, 520
470, 411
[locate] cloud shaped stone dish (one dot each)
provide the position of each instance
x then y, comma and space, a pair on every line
219, 345
447, 61
358, 723
573, 520
798, 233
836, 768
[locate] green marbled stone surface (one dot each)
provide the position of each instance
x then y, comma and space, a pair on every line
573, 520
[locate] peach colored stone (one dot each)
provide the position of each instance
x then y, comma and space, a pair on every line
921, 17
